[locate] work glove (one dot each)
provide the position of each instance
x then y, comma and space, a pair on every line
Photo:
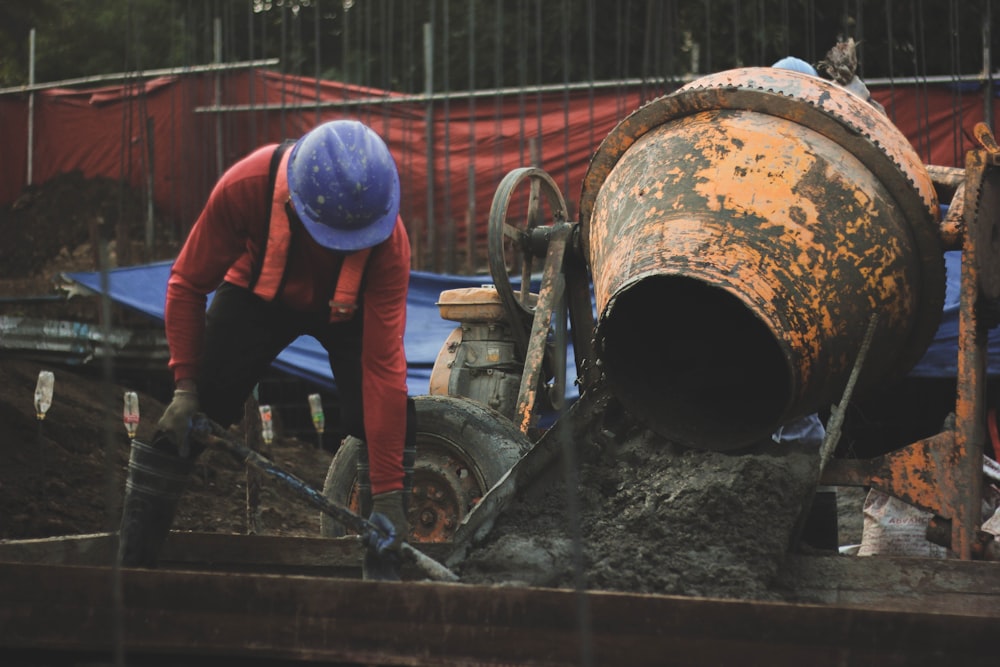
389, 516
382, 557
175, 422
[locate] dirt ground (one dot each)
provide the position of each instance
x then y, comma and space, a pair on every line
649, 517
64, 475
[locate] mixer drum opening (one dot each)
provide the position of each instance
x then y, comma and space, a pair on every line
706, 374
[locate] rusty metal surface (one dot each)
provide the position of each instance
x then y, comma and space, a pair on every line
283, 620
953, 223
743, 230
949, 182
581, 315
444, 485
982, 203
829, 109
946, 179
943, 474
550, 296
441, 372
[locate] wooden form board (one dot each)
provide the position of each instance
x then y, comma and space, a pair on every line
944, 612
283, 618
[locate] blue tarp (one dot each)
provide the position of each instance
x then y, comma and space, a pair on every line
941, 358
143, 288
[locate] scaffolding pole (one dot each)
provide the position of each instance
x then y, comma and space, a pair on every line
146, 74
31, 104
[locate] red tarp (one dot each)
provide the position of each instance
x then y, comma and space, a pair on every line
111, 132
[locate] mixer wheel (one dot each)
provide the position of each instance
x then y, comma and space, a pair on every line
463, 448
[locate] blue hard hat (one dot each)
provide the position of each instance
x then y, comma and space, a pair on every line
344, 185
796, 65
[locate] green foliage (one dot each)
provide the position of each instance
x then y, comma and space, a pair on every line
77, 39
17, 17
483, 44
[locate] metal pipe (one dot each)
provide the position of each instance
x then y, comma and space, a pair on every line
145, 74
432, 249
217, 52
31, 105
391, 98
988, 66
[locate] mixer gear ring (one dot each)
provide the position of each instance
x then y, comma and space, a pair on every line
982, 199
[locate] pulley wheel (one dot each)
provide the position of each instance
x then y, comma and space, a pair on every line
511, 247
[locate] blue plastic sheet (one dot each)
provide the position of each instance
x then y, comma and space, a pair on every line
143, 288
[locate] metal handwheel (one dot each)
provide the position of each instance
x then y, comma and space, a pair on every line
513, 247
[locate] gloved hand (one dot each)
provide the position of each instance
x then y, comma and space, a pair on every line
176, 419
388, 515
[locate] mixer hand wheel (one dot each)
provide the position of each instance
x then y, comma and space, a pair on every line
513, 248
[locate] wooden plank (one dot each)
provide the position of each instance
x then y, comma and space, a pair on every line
279, 619
91, 549
932, 584
318, 556
262, 553
945, 585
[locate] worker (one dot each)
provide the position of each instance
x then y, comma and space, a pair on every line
795, 65
840, 66
294, 240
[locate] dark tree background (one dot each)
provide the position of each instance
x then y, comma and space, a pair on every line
483, 44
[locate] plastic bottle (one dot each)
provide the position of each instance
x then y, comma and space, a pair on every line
43, 393
316, 409
266, 424
130, 413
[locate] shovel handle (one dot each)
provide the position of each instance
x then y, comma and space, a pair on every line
427, 565
207, 432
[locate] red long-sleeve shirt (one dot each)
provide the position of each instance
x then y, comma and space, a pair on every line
230, 233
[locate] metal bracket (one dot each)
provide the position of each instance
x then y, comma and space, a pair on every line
943, 474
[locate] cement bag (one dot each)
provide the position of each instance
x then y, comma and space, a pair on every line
894, 528
991, 494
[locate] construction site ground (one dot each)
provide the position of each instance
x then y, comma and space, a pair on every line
64, 475
650, 518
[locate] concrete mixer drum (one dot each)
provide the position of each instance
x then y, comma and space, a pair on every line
740, 233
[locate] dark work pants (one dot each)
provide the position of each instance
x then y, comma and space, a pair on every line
243, 336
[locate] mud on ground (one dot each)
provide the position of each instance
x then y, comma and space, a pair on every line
65, 475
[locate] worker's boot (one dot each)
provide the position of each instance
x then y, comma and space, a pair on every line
156, 479
409, 453
373, 567
388, 566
